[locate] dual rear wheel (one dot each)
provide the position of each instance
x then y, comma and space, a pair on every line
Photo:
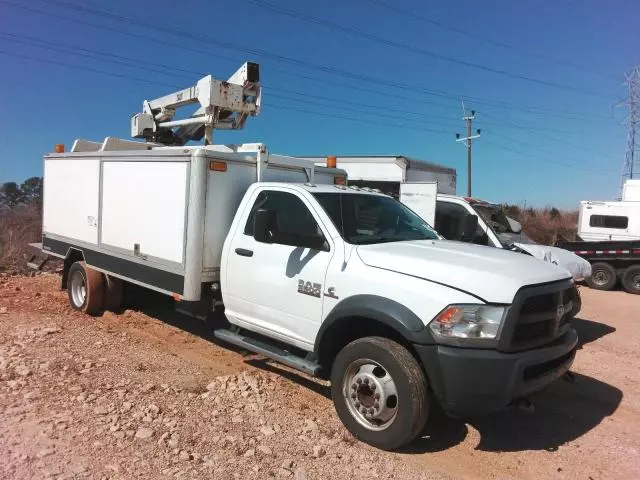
91, 292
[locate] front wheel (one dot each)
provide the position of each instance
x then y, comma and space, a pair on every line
379, 392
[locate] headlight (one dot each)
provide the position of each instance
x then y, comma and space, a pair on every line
460, 322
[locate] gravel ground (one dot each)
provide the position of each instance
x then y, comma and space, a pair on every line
148, 394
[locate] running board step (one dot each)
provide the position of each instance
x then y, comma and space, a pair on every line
268, 350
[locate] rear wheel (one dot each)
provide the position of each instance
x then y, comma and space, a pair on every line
379, 392
86, 288
631, 279
603, 276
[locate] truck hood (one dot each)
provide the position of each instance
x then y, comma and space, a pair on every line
493, 274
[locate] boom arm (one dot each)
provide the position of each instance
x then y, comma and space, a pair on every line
224, 105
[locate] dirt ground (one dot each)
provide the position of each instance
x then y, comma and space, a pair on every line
148, 394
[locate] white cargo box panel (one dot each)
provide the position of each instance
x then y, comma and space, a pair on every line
144, 208
70, 198
421, 198
394, 169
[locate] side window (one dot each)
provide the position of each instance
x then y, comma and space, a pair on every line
608, 221
294, 223
450, 219
450, 222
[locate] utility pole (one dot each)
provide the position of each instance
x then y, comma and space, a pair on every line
633, 120
468, 118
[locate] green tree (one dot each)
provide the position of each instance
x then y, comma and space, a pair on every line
32, 191
10, 194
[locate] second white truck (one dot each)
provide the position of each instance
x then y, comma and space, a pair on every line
344, 284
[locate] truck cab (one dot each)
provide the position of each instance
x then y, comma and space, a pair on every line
374, 299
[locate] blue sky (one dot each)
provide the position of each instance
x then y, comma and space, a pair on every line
540, 144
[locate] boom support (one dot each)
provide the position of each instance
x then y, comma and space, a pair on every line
223, 105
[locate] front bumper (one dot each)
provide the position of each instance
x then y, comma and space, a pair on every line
470, 381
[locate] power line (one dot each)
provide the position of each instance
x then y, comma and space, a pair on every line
535, 110
410, 48
276, 106
430, 21
282, 107
171, 70
543, 159
88, 69
159, 68
133, 62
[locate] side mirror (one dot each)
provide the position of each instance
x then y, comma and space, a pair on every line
516, 226
470, 225
264, 224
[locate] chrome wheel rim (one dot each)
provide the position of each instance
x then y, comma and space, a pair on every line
600, 278
78, 289
635, 282
371, 394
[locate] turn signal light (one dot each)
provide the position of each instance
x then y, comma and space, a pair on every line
218, 166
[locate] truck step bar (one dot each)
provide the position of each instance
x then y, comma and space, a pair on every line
268, 350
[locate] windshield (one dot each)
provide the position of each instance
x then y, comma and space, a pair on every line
366, 219
494, 217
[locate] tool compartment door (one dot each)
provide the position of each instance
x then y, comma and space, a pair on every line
421, 198
144, 209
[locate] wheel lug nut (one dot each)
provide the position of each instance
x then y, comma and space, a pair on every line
366, 381
353, 395
357, 404
376, 405
371, 411
377, 396
354, 386
373, 386
359, 381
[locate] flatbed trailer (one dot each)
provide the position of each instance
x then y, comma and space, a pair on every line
611, 261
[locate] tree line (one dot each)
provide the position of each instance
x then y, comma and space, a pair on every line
28, 192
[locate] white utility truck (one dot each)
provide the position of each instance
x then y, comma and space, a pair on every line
344, 284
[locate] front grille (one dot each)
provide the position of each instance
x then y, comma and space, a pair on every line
532, 321
528, 332
539, 303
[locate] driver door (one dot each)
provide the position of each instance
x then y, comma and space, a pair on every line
277, 288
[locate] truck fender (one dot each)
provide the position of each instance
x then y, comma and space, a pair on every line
383, 310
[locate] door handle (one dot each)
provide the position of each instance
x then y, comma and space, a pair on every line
244, 252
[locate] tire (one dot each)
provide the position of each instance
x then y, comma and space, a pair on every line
603, 276
631, 279
85, 287
113, 293
366, 362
